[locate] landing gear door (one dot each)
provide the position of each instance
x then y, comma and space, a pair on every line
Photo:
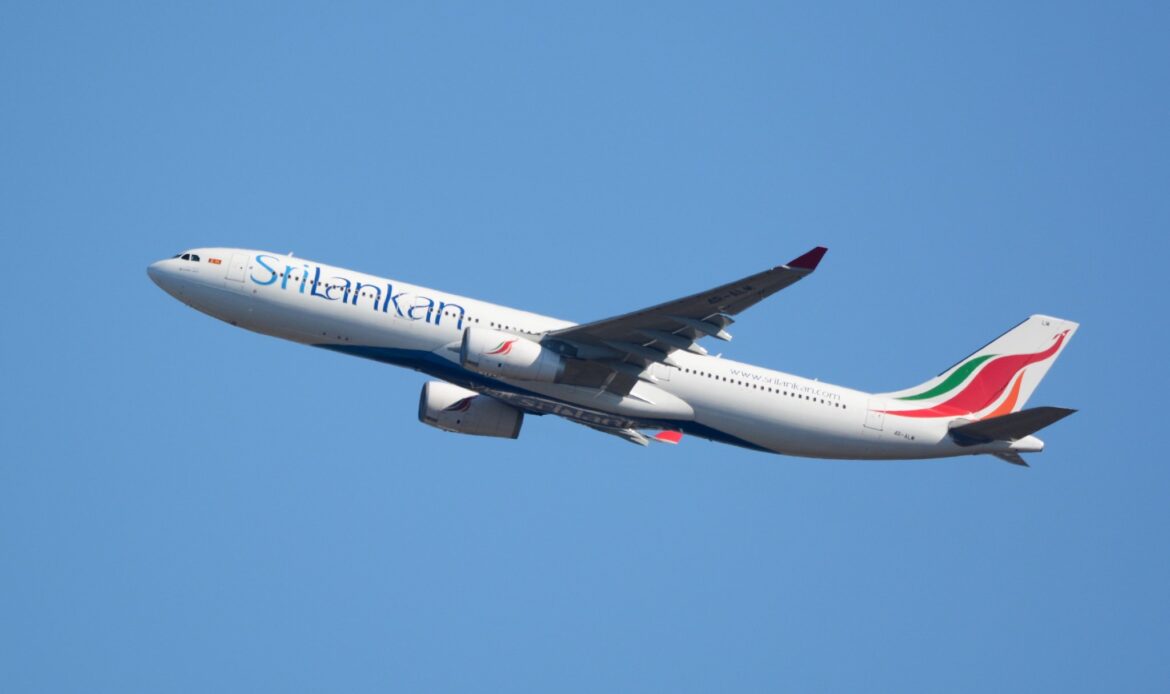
874, 419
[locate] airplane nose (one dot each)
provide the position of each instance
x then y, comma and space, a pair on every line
164, 274
156, 272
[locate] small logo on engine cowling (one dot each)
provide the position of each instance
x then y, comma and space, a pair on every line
503, 348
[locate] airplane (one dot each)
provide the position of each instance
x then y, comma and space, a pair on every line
641, 376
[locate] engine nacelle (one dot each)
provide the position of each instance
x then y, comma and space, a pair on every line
451, 408
501, 354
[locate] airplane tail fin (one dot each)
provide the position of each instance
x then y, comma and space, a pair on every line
993, 381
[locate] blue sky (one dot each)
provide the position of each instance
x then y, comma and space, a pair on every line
185, 506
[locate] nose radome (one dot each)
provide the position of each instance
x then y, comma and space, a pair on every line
155, 271
165, 275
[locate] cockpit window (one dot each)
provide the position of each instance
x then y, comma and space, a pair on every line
194, 257
186, 256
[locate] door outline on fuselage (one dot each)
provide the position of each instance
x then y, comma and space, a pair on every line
237, 267
874, 419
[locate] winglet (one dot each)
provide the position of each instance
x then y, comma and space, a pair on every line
668, 436
1012, 457
810, 260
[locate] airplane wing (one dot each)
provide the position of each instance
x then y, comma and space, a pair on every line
627, 344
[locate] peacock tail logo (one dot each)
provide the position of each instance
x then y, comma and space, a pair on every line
504, 347
980, 387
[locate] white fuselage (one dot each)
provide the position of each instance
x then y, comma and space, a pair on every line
398, 323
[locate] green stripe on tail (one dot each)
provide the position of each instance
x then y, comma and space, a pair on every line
957, 376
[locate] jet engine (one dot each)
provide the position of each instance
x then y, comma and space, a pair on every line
505, 355
451, 408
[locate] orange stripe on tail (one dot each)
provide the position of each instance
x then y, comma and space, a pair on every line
1009, 403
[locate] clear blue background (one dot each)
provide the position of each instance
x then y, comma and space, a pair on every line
185, 506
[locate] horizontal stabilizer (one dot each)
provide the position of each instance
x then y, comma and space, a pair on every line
1008, 427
